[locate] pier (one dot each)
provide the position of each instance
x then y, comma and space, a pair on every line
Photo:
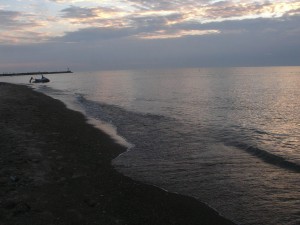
35, 73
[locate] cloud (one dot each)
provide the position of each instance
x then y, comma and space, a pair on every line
134, 33
142, 24
245, 10
67, 1
22, 37
99, 23
158, 18
149, 19
78, 12
146, 25
163, 34
95, 35
229, 43
16, 20
95, 17
19, 27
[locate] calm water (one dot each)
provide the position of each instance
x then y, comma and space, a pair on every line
228, 137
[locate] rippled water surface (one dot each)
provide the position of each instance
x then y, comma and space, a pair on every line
229, 137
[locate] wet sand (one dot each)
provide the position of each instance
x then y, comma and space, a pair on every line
56, 170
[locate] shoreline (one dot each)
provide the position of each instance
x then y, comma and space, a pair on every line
57, 170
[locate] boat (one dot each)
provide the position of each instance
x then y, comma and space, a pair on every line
40, 80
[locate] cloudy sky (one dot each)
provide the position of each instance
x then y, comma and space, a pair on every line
127, 34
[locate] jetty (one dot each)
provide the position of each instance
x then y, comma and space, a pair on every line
35, 73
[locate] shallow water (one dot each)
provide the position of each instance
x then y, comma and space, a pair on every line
229, 137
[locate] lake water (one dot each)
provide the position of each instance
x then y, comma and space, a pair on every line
229, 137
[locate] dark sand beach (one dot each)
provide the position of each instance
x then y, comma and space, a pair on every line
56, 169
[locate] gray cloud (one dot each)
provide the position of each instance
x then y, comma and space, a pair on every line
113, 43
281, 26
227, 9
165, 4
262, 42
95, 34
74, 12
152, 23
78, 12
13, 20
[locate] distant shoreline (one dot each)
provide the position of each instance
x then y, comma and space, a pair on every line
35, 73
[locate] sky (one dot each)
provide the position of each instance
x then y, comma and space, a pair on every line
89, 35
